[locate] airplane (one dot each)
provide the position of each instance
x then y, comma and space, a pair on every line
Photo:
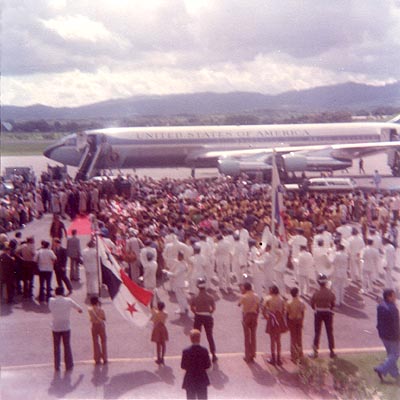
232, 149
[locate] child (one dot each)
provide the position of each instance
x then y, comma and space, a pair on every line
160, 333
97, 318
273, 311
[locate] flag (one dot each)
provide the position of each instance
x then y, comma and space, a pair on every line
277, 202
129, 299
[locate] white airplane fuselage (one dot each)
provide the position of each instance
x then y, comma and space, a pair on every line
206, 146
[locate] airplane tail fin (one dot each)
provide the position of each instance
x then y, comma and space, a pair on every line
395, 120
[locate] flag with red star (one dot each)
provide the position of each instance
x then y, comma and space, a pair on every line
129, 299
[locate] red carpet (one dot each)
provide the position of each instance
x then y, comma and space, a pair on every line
81, 224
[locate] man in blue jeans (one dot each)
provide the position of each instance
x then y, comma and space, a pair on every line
388, 326
60, 308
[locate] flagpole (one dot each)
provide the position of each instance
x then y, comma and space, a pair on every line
273, 193
99, 280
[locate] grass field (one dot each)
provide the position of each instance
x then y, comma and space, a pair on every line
352, 376
24, 147
364, 364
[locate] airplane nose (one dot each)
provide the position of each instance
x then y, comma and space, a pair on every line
49, 150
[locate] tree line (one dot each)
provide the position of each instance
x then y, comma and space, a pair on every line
51, 128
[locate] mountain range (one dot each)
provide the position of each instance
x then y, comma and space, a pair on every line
342, 97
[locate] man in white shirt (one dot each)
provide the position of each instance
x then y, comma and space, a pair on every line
197, 264
266, 264
149, 264
389, 262
223, 258
377, 243
295, 243
148, 249
305, 270
369, 257
60, 308
340, 262
354, 249
240, 252
89, 258
207, 250
45, 259
177, 275
321, 260
281, 253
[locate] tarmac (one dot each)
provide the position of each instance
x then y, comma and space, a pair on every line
26, 352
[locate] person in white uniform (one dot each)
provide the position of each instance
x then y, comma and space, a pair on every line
295, 243
177, 275
340, 263
253, 274
377, 243
149, 264
389, 262
266, 265
321, 260
369, 258
171, 250
281, 259
89, 258
240, 252
223, 262
354, 248
147, 249
207, 250
305, 270
197, 264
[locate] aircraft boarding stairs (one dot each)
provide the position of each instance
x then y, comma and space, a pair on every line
87, 166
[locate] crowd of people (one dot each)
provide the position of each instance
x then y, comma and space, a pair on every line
221, 226
215, 229
225, 221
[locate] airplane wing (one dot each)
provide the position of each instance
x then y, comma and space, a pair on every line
352, 150
293, 158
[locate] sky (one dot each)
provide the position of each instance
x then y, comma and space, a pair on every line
67, 53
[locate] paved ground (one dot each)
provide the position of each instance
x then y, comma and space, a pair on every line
26, 350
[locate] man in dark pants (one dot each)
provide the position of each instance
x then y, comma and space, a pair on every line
388, 326
60, 265
14, 244
60, 308
250, 304
203, 306
74, 253
7, 273
195, 361
26, 252
323, 302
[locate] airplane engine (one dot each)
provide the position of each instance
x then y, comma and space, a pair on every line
229, 167
300, 162
232, 167
294, 162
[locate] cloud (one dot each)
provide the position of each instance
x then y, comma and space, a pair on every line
102, 49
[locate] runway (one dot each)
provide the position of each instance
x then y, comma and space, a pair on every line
26, 352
